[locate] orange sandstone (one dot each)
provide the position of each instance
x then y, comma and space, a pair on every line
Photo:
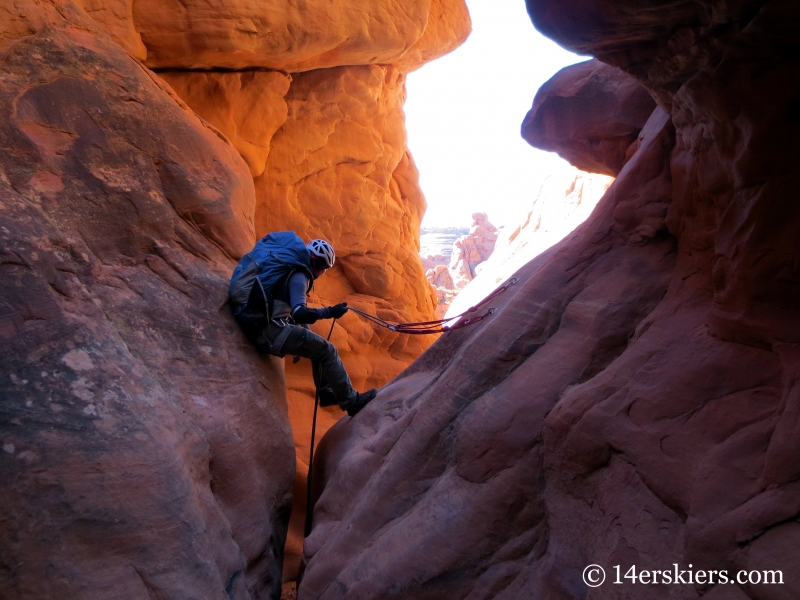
311, 98
247, 106
298, 36
327, 150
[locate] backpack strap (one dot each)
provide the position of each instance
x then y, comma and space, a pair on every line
258, 301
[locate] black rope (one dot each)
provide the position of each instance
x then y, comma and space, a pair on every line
307, 529
439, 326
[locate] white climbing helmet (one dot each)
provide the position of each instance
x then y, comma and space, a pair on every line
323, 251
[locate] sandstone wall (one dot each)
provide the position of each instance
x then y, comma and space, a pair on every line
147, 450
634, 399
305, 100
327, 150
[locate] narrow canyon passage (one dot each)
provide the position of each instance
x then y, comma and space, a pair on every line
632, 402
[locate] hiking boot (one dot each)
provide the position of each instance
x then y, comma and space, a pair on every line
361, 401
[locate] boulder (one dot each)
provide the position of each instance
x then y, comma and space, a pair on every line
440, 277
590, 114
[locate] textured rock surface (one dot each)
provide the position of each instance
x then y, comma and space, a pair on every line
590, 114
248, 107
115, 172
327, 149
298, 36
339, 169
116, 18
438, 480
634, 400
146, 448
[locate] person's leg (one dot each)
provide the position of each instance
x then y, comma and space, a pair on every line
326, 395
305, 343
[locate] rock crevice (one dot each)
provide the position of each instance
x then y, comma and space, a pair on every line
653, 424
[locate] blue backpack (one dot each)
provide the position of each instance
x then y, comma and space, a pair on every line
270, 263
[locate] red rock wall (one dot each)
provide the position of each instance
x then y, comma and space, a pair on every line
634, 399
590, 114
327, 150
156, 204
146, 448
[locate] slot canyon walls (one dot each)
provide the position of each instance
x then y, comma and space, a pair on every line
634, 400
147, 450
324, 138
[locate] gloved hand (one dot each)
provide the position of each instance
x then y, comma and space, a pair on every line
337, 312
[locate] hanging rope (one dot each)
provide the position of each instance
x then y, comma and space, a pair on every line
419, 328
427, 327
307, 528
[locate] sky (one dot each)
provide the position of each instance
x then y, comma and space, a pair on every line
463, 115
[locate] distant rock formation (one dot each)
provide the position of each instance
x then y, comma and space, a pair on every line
564, 201
436, 245
472, 249
468, 253
635, 398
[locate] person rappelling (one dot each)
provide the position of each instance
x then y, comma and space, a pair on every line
268, 291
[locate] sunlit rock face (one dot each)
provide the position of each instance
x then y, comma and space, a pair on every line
470, 250
304, 100
247, 107
146, 448
287, 36
327, 147
328, 152
294, 36
634, 399
590, 114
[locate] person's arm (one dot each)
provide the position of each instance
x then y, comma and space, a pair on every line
302, 314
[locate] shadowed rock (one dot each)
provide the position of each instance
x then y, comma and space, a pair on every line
146, 447
634, 400
590, 114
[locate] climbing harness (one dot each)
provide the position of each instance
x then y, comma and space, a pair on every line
307, 528
426, 327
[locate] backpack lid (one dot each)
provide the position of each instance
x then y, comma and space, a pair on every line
275, 256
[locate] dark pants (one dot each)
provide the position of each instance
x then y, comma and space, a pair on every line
298, 341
